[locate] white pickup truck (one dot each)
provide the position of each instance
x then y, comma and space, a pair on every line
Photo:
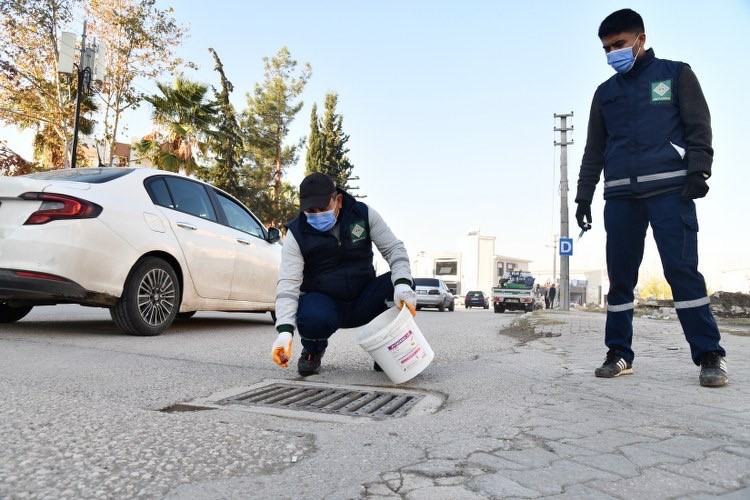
515, 293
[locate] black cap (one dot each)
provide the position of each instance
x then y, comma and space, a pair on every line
315, 191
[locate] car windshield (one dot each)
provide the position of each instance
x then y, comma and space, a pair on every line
89, 175
474, 294
426, 282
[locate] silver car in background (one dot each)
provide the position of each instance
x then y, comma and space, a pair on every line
433, 292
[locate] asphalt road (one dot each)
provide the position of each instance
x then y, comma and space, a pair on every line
81, 414
514, 412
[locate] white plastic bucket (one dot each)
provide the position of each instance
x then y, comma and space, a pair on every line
396, 343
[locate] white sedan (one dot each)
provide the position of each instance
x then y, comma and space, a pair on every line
147, 244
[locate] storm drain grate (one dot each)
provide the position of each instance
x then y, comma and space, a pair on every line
320, 399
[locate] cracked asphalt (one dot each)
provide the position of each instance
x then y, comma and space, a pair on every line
522, 415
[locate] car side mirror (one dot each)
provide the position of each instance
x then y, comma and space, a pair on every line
274, 235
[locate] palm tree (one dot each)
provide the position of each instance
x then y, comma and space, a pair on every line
185, 120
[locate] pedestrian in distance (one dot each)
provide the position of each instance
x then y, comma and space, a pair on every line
327, 279
649, 131
551, 296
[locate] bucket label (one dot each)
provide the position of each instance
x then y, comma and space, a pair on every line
406, 351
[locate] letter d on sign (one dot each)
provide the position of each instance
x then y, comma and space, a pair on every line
566, 246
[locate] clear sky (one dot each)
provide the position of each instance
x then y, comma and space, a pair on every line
450, 106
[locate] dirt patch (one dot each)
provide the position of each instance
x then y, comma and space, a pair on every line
523, 331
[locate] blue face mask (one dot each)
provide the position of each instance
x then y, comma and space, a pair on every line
622, 60
322, 221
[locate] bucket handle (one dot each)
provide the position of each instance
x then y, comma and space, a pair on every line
410, 308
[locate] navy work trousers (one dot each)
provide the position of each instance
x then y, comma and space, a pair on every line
319, 315
675, 228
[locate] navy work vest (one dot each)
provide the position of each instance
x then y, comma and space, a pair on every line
338, 267
645, 149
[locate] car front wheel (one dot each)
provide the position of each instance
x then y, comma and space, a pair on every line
10, 314
150, 299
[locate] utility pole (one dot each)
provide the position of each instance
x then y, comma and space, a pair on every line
564, 293
554, 257
90, 66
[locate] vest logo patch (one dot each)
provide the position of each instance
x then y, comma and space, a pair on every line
661, 91
358, 231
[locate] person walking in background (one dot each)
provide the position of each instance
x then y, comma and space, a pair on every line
327, 280
650, 132
551, 296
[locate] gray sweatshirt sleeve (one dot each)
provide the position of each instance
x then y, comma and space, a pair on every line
696, 119
287, 288
391, 248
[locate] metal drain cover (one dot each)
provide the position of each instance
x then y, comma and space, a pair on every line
290, 398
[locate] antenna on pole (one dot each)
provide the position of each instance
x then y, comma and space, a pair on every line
90, 67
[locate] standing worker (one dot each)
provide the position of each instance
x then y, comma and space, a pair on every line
551, 296
327, 279
650, 131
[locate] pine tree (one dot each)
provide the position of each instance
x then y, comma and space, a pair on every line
271, 109
314, 159
327, 151
225, 144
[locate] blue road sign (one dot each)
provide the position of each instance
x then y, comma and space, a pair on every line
566, 246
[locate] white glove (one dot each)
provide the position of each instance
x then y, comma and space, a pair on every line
404, 294
282, 349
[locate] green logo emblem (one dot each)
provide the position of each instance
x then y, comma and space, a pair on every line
661, 91
358, 231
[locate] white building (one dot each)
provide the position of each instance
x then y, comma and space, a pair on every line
475, 267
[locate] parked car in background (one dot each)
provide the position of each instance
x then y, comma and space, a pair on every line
433, 292
477, 299
149, 245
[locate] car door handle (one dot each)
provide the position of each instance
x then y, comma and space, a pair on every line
243, 241
186, 225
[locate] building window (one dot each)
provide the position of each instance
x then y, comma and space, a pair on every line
446, 268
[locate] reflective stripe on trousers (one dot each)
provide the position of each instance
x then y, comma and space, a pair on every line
675, 229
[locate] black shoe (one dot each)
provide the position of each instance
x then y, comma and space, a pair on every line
309, 363
376, 367
713, 370
614, 366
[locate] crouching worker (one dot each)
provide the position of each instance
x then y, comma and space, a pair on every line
327, 279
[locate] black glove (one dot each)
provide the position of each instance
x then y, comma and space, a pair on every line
696, 186
583, 215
